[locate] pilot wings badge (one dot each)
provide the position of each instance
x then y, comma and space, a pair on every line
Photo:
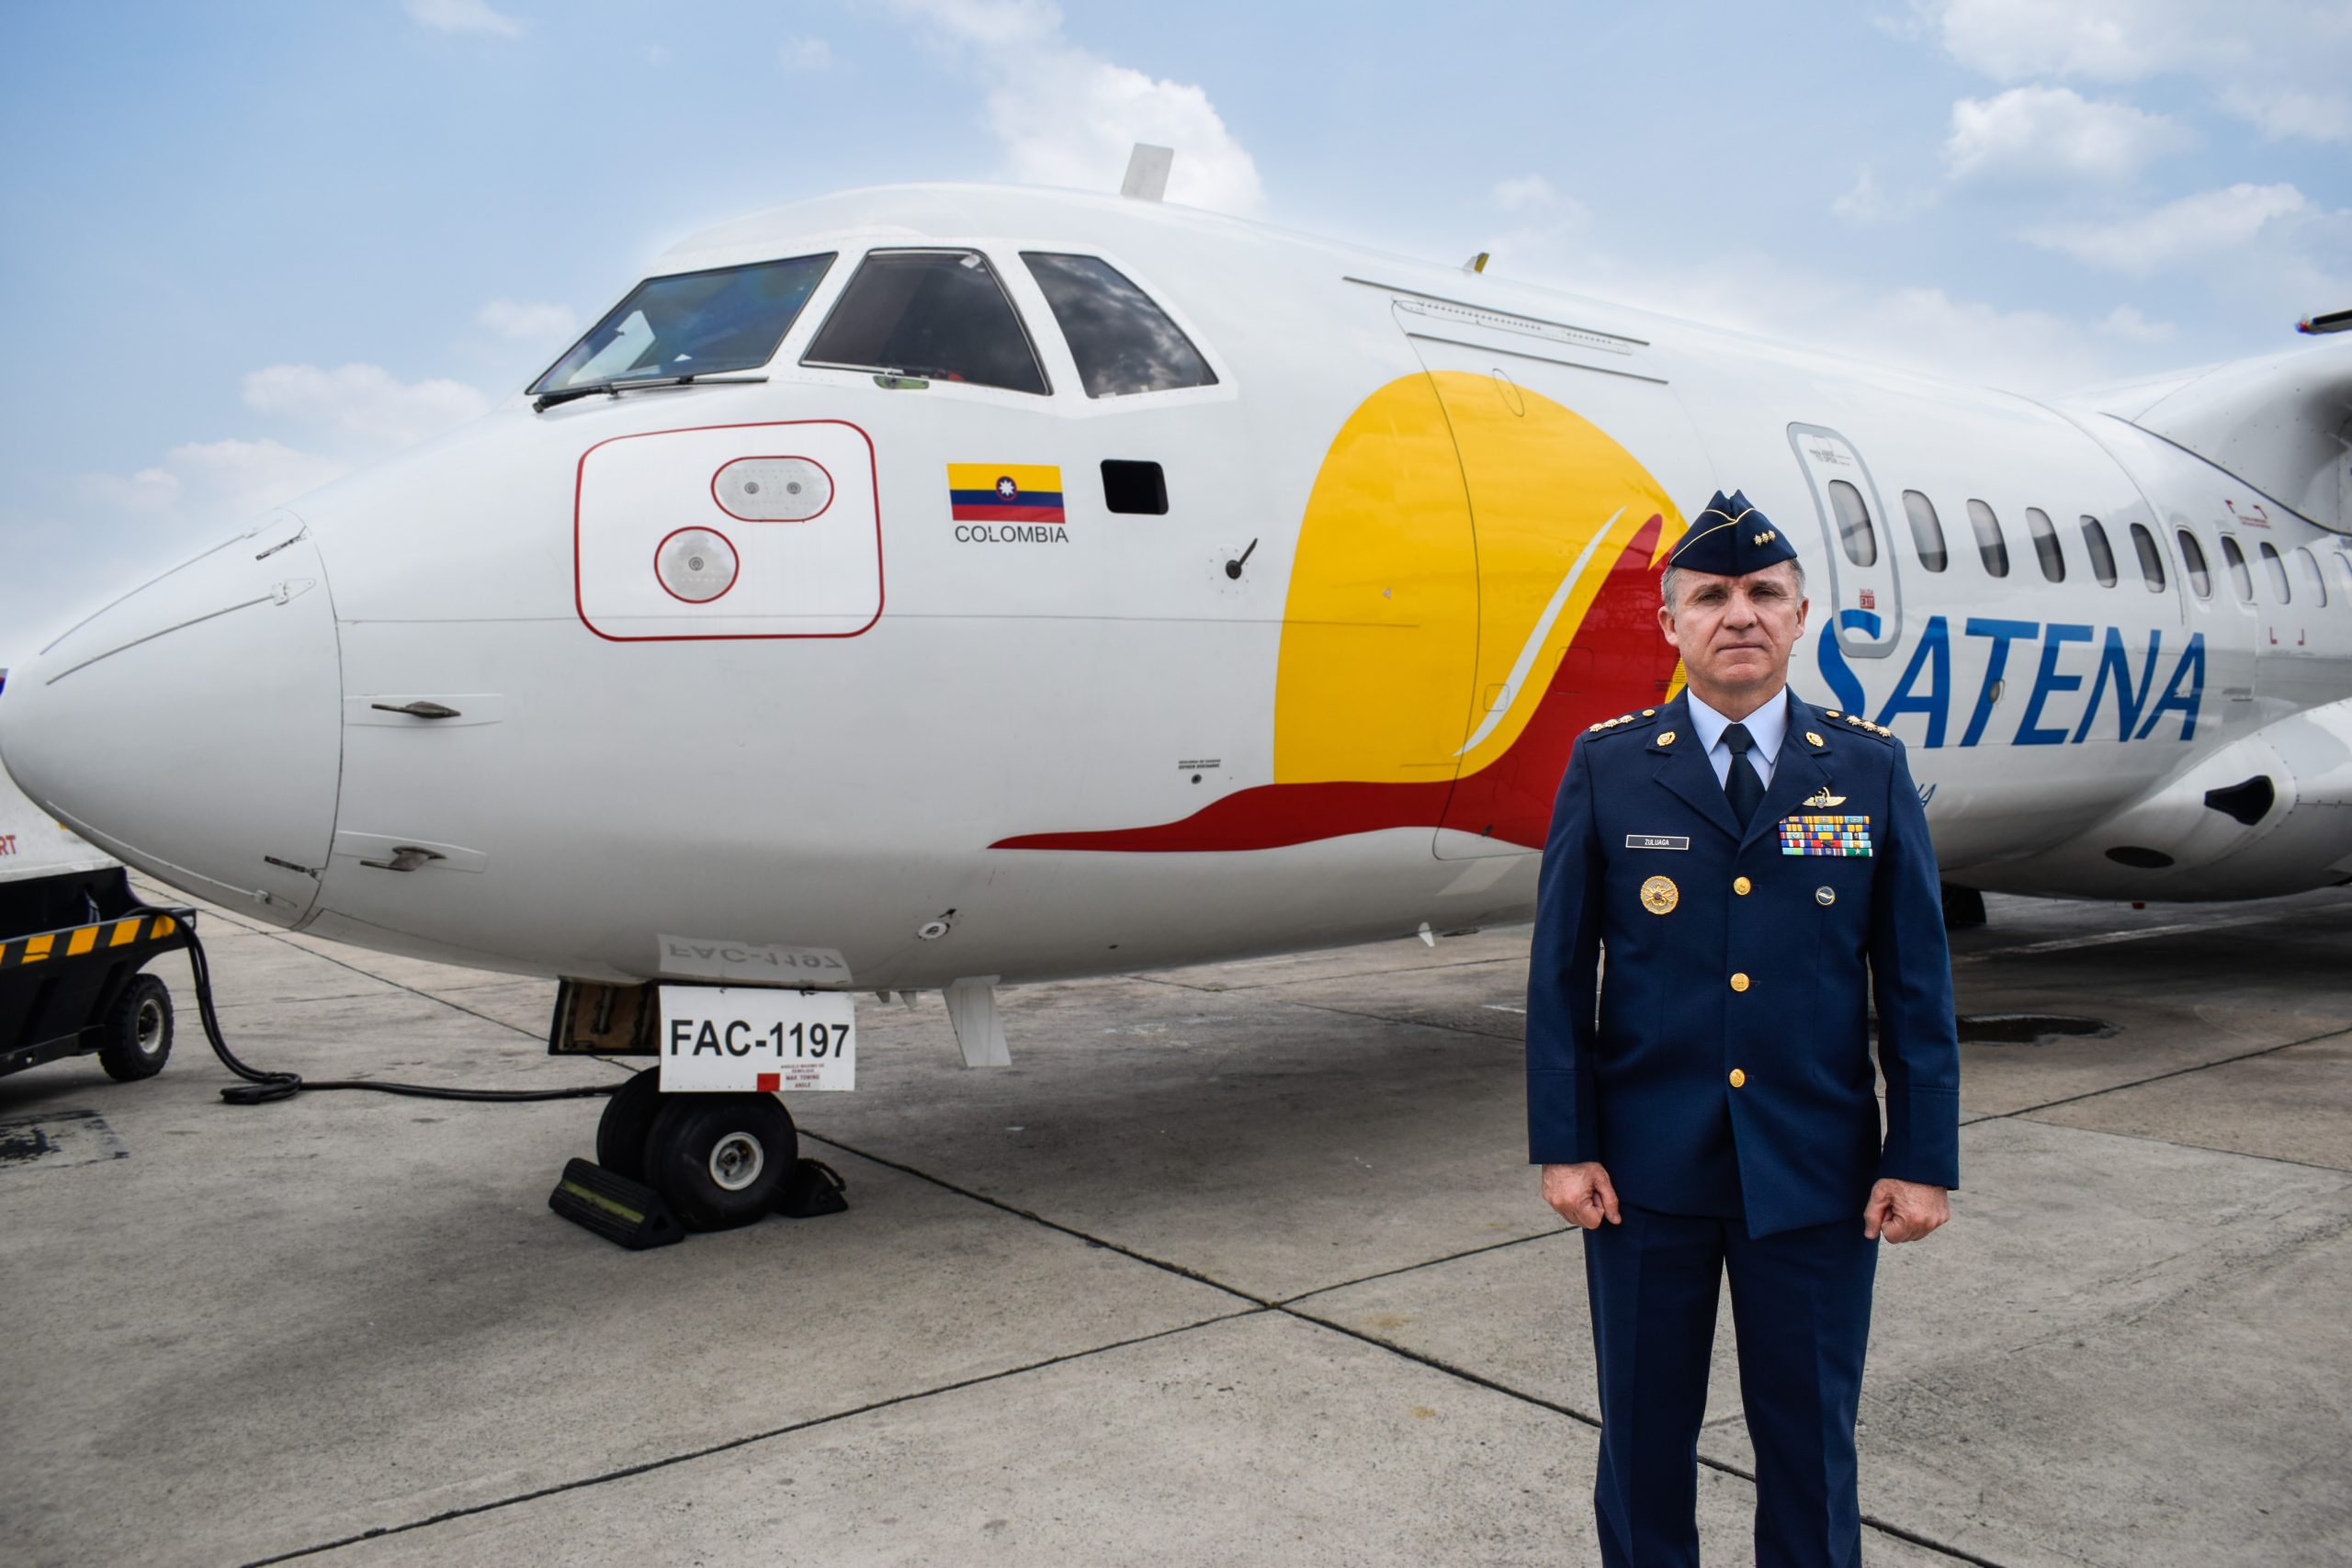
1822, 797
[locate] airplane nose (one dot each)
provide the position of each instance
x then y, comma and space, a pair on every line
192, 727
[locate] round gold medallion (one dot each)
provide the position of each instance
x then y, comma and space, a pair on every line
1667, 739
1659, 894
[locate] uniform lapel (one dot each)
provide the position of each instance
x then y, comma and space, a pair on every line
1684, 769
1798, 772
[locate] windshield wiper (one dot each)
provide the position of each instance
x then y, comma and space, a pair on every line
547, 400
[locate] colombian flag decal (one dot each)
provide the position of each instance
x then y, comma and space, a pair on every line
1005, 493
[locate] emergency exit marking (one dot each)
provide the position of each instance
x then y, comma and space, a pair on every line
731, 1039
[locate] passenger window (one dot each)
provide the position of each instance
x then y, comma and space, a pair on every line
2152, 560
2275, 571
1124, 344
941, 315
2193, 560
1854, 530
2307, 567
2102, 553
2240, 578
2343, 573
1927, 530
1990, 546
2045, 544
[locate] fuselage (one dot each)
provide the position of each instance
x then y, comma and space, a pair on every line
1317, 687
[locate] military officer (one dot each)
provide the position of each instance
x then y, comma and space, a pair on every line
1758, 870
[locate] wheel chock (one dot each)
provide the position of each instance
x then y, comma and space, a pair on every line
815, 1188
627, 1213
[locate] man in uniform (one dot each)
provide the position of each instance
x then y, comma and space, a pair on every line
1757, 869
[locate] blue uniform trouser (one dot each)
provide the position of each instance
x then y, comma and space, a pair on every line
1800, 1306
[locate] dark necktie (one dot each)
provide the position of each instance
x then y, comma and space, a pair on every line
1742, 785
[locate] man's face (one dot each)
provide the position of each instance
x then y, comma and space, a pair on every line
1736, 633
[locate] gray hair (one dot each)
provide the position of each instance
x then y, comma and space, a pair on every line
1666, 585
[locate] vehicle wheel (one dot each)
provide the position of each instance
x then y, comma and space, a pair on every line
720, 1159
628, 1116
135, 1040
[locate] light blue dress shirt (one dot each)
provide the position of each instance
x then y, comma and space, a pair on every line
1768, 725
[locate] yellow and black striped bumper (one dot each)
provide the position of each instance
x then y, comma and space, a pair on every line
145, 931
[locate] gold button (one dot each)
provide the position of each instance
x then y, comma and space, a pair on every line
1740, 885
1738, 1078
1739, 982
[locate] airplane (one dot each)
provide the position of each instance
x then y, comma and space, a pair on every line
956, 586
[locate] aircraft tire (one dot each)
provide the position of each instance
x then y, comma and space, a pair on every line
629, 1117
135, 1038
720, 1159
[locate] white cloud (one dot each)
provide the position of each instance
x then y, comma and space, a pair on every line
2105, 40
2127, 322
1525, 192
2191, 231
1066, 116
2053, 133
528, 322
463, 16
2280, 113
801, 55
363, 408
213, 481
1865, 203
2281, 65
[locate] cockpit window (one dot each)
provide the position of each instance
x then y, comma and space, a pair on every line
941, 315
1123, 342
692, 323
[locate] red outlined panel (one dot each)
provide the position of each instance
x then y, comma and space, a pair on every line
785, 574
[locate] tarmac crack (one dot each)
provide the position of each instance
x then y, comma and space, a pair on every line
668, 1460
2172, 1073
1586, 1419
1284, 1307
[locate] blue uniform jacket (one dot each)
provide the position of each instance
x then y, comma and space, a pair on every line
1721, 1065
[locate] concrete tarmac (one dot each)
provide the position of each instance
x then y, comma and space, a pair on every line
1234, 1264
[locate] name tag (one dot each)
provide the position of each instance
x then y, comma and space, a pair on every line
1825, 835
1656, 841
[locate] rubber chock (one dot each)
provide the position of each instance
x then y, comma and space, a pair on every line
626, 1212
815, 1188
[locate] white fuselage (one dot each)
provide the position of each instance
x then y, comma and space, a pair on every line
849, 765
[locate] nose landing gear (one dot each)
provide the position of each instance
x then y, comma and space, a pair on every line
720, 1159
717, 1160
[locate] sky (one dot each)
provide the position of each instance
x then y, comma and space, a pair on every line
255, 245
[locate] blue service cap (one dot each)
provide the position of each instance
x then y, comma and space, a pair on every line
1730, 539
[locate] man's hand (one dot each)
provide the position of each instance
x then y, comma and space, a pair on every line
1581, 1195
1899, 1211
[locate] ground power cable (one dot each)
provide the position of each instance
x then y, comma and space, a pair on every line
261, 1088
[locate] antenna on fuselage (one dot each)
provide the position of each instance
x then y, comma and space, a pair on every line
1148, 169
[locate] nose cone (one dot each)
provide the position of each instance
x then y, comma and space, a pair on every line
193, 727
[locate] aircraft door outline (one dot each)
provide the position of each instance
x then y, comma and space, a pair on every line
1865, 594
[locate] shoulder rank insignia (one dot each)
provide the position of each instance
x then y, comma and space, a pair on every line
1822, 797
